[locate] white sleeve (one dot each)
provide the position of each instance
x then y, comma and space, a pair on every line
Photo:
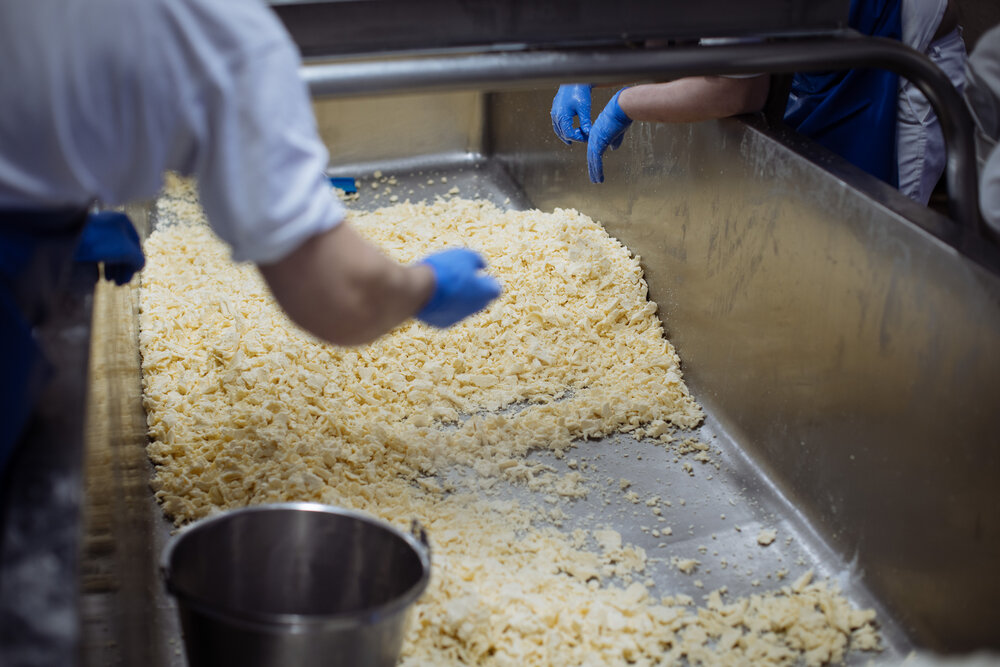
255, 150
261, 172
989, 189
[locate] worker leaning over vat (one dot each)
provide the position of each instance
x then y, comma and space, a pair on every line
101, 97
868, 116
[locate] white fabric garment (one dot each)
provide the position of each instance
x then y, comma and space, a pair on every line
920, 20
982, 92
989, 189
982, 95
920, 148
100, 97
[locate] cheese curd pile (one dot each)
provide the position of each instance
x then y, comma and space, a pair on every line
244, 408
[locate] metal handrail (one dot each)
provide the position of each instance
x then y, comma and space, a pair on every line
508, 70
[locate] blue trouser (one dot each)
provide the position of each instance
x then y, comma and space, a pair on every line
39, 252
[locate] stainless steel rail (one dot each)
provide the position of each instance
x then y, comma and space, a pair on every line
327, 28
521, 69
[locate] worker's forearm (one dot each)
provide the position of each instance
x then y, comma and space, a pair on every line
694, 99
341, 288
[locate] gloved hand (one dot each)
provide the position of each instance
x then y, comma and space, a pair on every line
608, 130
572, 101
109, 237
460, 288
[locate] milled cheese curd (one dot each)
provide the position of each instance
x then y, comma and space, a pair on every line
244, 408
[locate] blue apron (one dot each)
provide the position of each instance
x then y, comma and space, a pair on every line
36, 251
853, 112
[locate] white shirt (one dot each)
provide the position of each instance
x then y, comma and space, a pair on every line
920, 20
920, 148
99, 97
983, 97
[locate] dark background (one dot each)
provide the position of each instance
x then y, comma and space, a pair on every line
976, 17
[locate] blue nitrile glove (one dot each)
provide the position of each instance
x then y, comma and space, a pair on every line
109, 237
460, 289
572, 101
609, 130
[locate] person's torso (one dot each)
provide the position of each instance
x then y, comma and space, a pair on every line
101, 96
922, 22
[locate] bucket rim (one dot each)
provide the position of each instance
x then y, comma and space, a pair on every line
417, 540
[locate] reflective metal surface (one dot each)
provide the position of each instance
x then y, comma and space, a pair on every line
329, 27
845, 354
507, 71
850, 353
294, 584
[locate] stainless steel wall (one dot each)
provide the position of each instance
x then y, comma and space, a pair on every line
323, 28
852, 354
362, 132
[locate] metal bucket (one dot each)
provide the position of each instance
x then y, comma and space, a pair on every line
295, 585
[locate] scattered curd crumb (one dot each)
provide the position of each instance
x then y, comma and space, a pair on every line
766, 536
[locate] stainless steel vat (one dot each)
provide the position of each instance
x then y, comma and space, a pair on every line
851, 355
847, 359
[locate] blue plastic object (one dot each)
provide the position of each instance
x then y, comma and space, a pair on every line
348, 185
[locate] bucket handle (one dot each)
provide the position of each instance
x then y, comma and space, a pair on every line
420, 534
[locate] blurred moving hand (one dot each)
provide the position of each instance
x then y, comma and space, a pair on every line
460, 287
572, 101
608, 130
